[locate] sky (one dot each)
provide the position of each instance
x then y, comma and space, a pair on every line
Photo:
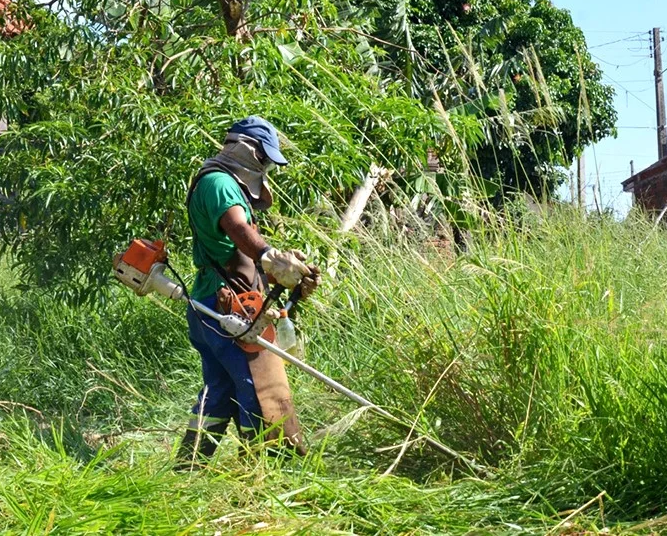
618, 37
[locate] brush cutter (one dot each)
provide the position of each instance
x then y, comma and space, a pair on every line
141, 267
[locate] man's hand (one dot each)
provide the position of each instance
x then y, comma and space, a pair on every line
310, 282
286, 267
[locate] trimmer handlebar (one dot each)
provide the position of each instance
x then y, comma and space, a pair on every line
278, 289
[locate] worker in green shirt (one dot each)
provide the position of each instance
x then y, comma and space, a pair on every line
232, 257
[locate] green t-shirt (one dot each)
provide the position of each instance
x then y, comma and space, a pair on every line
214, 195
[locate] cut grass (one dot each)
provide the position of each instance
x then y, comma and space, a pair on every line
130, 489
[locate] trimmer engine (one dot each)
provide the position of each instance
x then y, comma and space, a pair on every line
141, 267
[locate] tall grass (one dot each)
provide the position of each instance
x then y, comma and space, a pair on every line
105, 363
539, 353
552, 338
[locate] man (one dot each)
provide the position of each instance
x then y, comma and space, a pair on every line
232, 257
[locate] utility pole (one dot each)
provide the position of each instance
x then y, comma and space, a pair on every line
581, 182
659, 95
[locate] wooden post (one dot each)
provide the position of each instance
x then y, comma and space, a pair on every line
632, 174
659, 95
360, 198
356, 208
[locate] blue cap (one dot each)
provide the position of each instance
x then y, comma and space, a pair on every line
264, 132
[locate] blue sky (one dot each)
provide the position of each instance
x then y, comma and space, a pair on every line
617, 33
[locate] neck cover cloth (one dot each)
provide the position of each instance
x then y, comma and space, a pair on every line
239, 158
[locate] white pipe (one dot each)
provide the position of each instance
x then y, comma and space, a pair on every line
360, 400
323, 378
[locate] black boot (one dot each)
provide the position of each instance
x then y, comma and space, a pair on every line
205, 440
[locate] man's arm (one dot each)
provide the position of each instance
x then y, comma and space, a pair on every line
233, 223
286, 268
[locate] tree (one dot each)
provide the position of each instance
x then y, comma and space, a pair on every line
522, 66
113, 106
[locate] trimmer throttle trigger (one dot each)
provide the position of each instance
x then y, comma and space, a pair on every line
275, 293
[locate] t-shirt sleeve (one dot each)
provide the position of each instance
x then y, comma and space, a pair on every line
220, 193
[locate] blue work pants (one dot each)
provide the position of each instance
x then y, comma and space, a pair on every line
230, 388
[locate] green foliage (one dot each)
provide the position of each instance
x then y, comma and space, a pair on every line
526, 53
52, 491
110, 124
55, 356
539, 353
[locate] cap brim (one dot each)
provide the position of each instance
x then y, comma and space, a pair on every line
275, 155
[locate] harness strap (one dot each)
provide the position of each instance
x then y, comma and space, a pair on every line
220, 270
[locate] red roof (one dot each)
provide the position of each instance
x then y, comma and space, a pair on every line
11, 26
651, 172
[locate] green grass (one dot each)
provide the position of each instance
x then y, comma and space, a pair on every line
539, 353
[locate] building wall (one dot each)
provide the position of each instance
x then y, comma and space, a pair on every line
651, 195
10, 28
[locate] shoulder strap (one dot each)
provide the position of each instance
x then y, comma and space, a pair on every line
219, 269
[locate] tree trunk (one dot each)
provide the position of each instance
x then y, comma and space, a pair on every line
233, 12
356, 208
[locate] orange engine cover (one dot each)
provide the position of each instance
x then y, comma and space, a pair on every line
143, 254
249, 305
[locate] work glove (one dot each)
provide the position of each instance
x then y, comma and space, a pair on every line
310, 282
286, 267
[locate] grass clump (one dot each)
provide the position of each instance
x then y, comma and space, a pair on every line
539, 351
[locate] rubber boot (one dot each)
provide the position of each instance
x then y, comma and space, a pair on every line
205, 440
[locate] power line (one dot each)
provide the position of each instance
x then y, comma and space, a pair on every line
637, 81
629, 92
616, 172
617, 32
626, 155
632, 37
643, 58
644, 90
